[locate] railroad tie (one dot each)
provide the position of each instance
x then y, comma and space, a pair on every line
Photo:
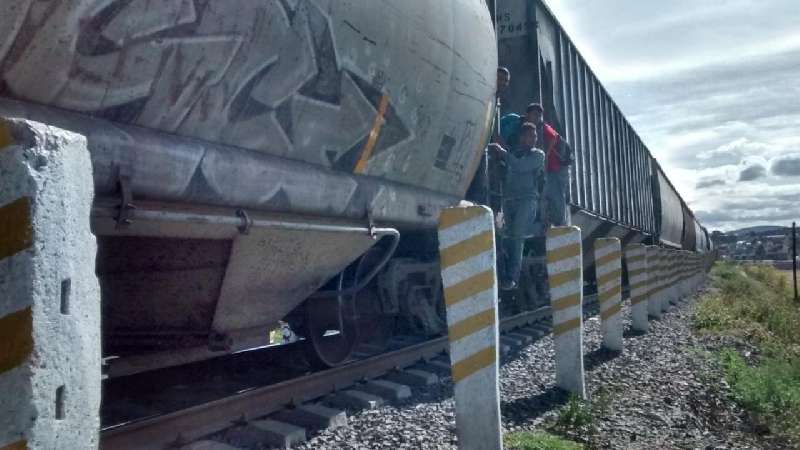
608, 273
653, 264
50, 308
636, 261
468, 264
565, 279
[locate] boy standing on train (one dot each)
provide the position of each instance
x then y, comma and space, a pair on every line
559, 158
522, 187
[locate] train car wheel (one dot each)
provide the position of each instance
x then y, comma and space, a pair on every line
337, 326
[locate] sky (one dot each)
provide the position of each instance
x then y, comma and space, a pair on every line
713, 89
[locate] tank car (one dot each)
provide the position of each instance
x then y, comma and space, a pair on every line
265, 144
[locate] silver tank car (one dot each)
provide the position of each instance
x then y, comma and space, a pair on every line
260, 140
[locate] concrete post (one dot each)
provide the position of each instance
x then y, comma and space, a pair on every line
685, 266
636, 261
665, 278
468, 263
672, 277
608, 272
50, 308
653, 281
565, 278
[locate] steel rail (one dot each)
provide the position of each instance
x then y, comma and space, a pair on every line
192, 423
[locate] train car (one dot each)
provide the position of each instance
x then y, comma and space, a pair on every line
258, 161
265, 144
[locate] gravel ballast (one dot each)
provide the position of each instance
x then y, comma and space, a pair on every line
663, 391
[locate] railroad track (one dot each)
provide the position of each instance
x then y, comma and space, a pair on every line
179, 428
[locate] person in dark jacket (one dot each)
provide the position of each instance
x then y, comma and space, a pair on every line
522, 187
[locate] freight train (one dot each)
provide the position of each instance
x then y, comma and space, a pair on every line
259, 161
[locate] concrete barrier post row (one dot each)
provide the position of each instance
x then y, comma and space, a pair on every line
565, 278
469, 275
50, 306
653, 262
635, 259
608, 273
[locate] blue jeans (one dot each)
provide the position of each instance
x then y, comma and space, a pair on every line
556, 187
519, 216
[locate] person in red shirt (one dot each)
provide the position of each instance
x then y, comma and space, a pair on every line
558, 159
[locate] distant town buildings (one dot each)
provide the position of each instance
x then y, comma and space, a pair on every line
771, 243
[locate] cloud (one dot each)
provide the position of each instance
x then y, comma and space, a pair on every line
704, 184
752, 172
712, 91
787, 166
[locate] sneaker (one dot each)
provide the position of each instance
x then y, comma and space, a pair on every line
508, 285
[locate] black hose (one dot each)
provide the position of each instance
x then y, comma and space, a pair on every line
395, 236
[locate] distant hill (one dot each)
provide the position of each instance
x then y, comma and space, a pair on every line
760, 230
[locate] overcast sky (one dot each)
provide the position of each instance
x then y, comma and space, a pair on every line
713, 89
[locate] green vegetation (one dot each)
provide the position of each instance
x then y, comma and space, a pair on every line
754, 302
538, 441
577, 414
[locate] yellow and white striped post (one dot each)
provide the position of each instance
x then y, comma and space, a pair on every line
608, 272
684, 271
669, 279
565, 278
49, 295
653, 262
636, 261
666, 279
468, 264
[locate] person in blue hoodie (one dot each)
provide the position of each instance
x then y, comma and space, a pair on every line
522, 187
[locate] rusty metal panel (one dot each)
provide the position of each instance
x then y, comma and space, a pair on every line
519, 52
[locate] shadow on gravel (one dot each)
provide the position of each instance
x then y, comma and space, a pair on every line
630, 332
598, 357
523, 410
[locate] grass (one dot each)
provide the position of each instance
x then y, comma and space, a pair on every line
576, 415
754, 302
538, 441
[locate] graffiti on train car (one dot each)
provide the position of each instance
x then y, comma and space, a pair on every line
264, 78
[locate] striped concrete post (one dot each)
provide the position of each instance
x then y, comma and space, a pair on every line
653, 281
49, 295
565, 278
636, 261
685, 267
665, 278
674, 288
468, 263
669, 280
608, 272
